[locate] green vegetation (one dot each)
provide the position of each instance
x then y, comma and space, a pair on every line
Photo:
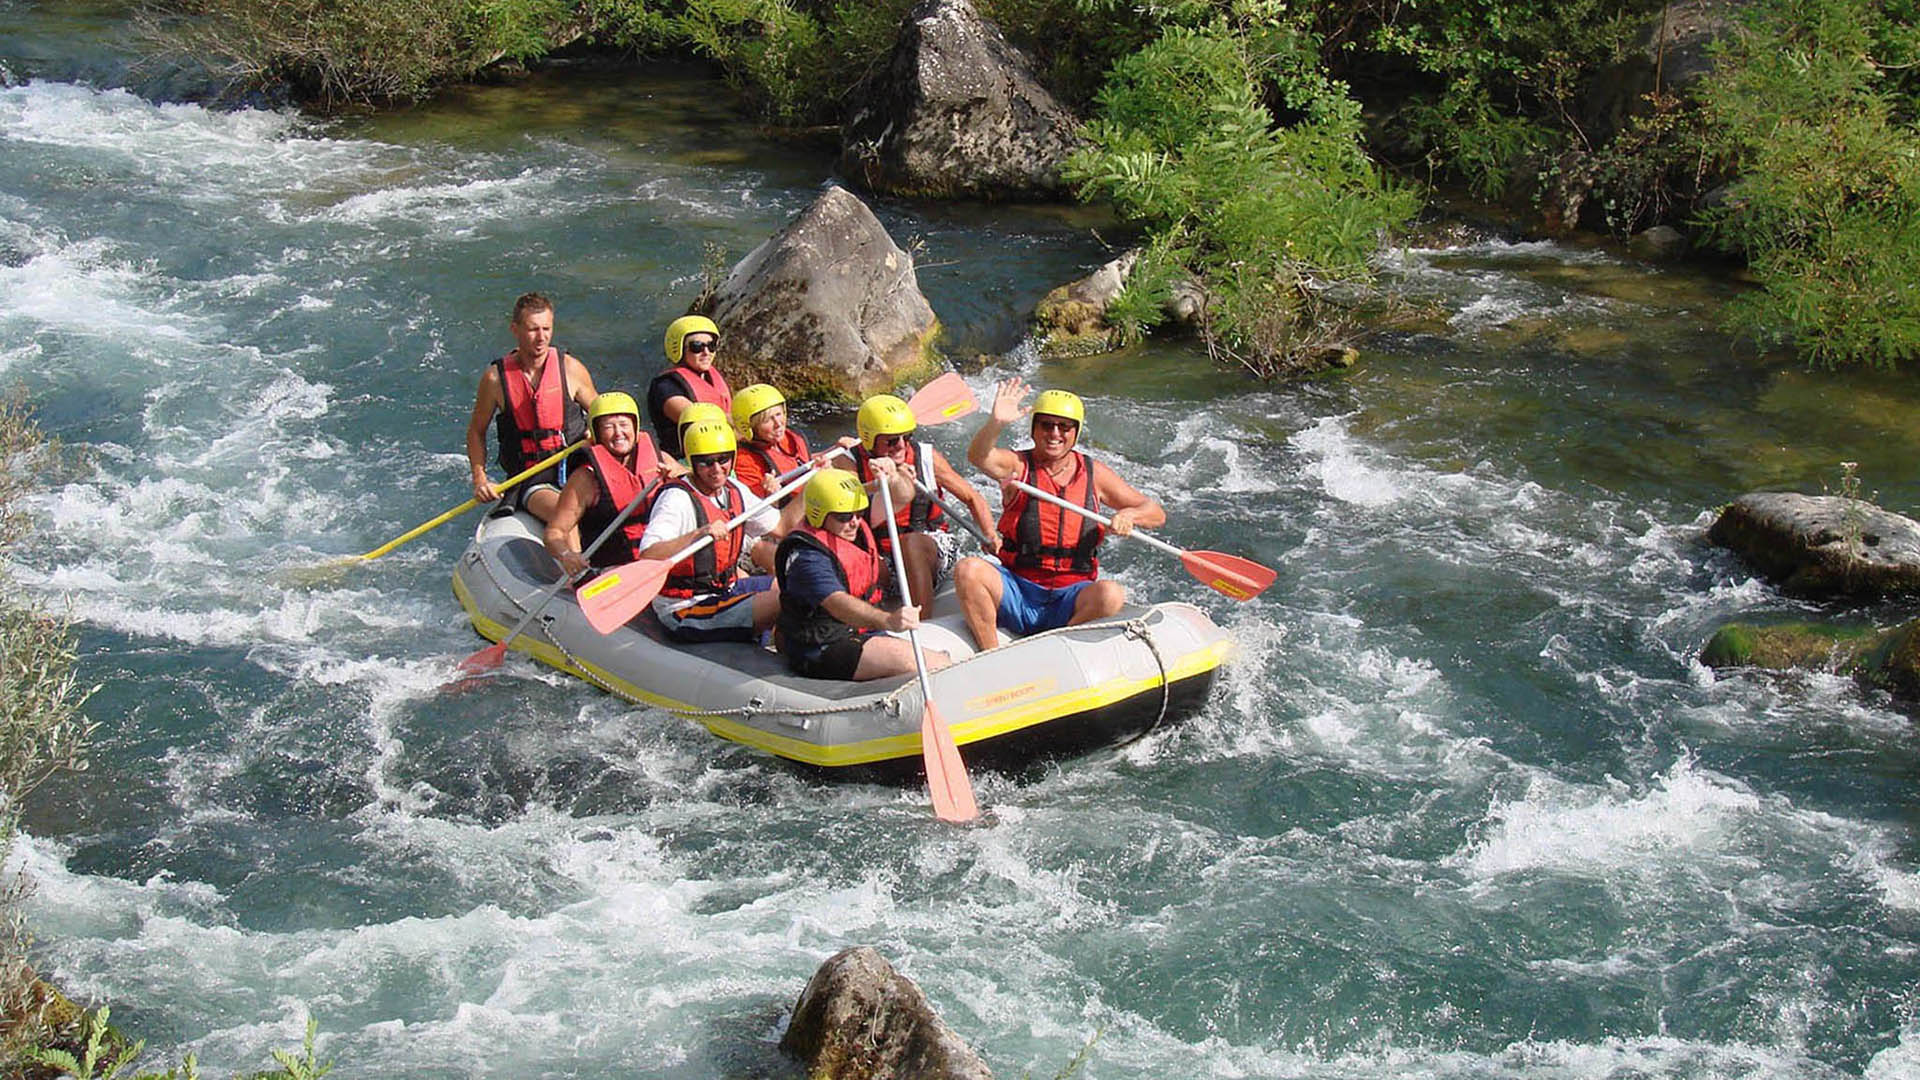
1241, 136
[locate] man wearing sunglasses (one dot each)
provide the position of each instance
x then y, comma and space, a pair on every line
692, 344
705, 597
1048, 575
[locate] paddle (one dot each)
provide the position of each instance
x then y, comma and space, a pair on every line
333, 566
1228, 575
947, 779
487, 659
618, 594
943, 400
965, 521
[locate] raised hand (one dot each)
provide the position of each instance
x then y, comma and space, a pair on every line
1007, 396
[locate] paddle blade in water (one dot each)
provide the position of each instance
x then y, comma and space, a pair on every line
331, 572
618, 595
947, 779
485, 660
1229, 575
945, 398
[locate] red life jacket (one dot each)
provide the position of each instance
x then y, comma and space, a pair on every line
789, 453
710, 569
535, 421
1040, 541
618, 486
862, 573
921, 513
679, 381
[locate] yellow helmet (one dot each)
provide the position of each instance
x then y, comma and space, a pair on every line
883, 414
697, 411
1061, 403
678, 329
611, 403
750, 402
832, 491
707, 437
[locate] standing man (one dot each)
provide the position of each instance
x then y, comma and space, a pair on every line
831, 574
705, 597
540, 396
692, 344
620, 464
1048, 573
887, 453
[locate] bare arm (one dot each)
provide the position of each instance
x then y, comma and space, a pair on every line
982, 451
580, 382
1130, 508
861, 615
955, 484
574, 500
486, 402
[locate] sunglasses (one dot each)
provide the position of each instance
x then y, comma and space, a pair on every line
882, 442
706, 460
1056, 425
701, 346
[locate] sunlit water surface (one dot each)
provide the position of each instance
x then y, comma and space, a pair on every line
1464, 805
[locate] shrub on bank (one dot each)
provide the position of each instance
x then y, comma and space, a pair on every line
1264, 216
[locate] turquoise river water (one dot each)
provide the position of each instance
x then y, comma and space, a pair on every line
1464, 804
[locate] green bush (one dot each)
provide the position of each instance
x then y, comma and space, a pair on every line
1827, 207
1262, 216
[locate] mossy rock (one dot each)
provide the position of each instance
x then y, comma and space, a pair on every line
1893, 662
1787, 646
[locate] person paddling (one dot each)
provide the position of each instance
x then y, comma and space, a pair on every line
620, 463
705, 597
831, 577
692, 344
540, 396
886, 449
769, 449
1048, 574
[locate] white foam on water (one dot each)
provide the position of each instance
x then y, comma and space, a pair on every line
1900, 1061
89, 289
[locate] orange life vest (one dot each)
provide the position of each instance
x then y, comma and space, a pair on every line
710, 569
618, 487
921, 513
535, 421
772, 461
1040, 541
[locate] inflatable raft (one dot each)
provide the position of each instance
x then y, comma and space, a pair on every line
1042, 697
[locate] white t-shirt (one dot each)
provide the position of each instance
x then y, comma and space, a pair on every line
674, 516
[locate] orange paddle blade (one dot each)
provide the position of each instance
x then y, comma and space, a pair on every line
485, 660
945, 398
1229, 575
618, 595
947, 779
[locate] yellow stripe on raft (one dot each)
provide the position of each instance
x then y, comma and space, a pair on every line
907, 744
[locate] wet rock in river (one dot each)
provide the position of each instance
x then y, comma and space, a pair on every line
1662, 243
859, 1019
1072, 319
1887, 659
957, 112
1822, 545
828, 307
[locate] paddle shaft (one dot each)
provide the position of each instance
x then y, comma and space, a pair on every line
965, 520
1096, 516
502, 487
900, 578
794, 477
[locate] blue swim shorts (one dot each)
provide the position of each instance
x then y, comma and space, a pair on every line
1026, 608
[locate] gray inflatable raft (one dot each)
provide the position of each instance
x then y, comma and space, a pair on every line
1046, 696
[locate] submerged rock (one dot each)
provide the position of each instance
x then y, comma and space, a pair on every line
858, 1019
1822, 545
1662, 243
828, 307
957, 112
1887, 659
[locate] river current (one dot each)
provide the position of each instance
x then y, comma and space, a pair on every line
1464, 804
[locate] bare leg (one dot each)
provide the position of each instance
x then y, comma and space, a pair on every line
922, 555
883, 656
766, 608
1097, 601
542, 503
978, 586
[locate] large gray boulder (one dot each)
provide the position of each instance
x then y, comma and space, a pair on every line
957, 112
1822, 545
858, 1019
829, 307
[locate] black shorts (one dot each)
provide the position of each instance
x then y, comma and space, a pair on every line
837, 659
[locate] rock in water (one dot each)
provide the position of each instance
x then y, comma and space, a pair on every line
1822, 545
827, 307
957, 112
858, 1019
